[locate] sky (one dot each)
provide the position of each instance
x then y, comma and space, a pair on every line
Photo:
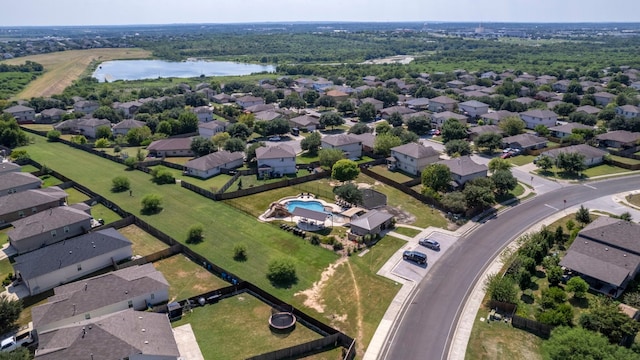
126, 12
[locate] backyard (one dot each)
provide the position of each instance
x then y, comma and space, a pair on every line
186, 278
143, 243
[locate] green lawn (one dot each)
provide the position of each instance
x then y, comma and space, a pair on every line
238, 327
143, 242
521, 160
50, 180
186, 278
634, 199
625, 160
212, 184
28, 168
397, 176
305, 158
75, 196
224, 225
406, 231
252, 180
5, 268
130, 150
3, 235
599, 170
100, 211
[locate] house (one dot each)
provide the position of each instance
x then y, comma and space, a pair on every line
367, 139
464, 169
442, 103
535, 117
387, 112
170, 147
128, 334
246, 101
524, 141
606, 254
135, 287
16, 206
337, 95
260, 107
123, 127
49, 227
351, 146
306, 121
618, 139
628, 111
488, 75
373, 222
204, 113
588, 109
7, 167
544, 95
455, 84
476, 131
494, 118
561, 86
377, 104
128, 108
526, 101
603, 98
208, 129
473, 108
417, 103
209, 165
412, 158
223, 98
276, 160
22, 114
12, 182
84, 126
49, 116
86, 106
592, 156
437, 119
267, 115
562, 131
321, 84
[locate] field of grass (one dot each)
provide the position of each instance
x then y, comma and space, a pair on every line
211, 184
28, 168
62, 68
3, 235
238, 327
406, 231
12, 83
397, 176
5, 268
521, 160
38, 127
634, 199
50, 180
143, 242
186, 278
75, 196
100, 211
599, 170
625, 160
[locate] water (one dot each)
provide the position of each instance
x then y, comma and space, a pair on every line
311, 205
153, 69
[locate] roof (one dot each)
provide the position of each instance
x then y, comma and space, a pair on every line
539, 113
589, 152
249, 98
463, 166
415, 150
83, 103
336, 93
604, 95
443, 100
52, 112
260, 107
202, 110
69, 252
371, 220
17, 109
340, 139
212, 125
92, 122
129, 124
622, 136
418, 102
45, 221
306, 120
371, 100
275, 152
310, 214
12, 179
629, 108
170, 144
30, 198
568, 127
98, 292
397, 109
367, 139
214, 160
498, 115
473, 104
267, 115
114, 336
477, 130
588, 109
448, 115
6, 167
524, 140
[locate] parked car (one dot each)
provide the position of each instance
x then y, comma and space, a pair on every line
506, 155
504, 151
274, 138
415, 256
435, 132
430, 243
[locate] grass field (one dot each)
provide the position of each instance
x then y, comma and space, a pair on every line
212, 184
62, 68
397, 176
143, 243
100, 211
75, 196
12, 83
406, 231
186, 278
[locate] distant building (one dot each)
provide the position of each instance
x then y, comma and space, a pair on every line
22, 114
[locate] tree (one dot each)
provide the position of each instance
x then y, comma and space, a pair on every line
478, 197
79, 139
345, 170
359, 128
501, 288
436, 177
165, 127
202, 146
295, 101
277, 127
544, 162
105, 112
564, 109
240, 252
220, 139
311, 143
188, 122
151, 204
251, 150
195, 235
383, 127
367, 112
120, 183
512, 125
542, 130
102, 143
395, 119
576, 343
497, 163
9, 313
453, 129
282, 272
326, 101
345, 107
328, 157
504, 181
235, 144
384, 142
607, 319
11, 135
560, 315
332, 119
239, 130
53, 135
583, 118
103, 132
490, 141
455, 202
349, 192
130, 162
136, 136
457, 147
419, 125
626, 216
248, 119
554, 275
582, 215
571, 162
577, 286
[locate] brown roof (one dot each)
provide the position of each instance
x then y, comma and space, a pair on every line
340, 139
589, 152
275, 152
622, 136
415, 150
170, 144
443, 100
463, 166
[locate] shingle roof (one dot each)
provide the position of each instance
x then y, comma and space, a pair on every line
340, 139
52, 112
213, 125
473, 104
524, 140
170, 144
539, 113
589, 152
129, 124
6, 167
415, 150
306, 120
463, 166
604, 95
443, 100
17, 109
568, 127
45, 221
448, 115
114, 336
69, 252
275, 152
98, 292
12, 179
622, 136
214, 160
367, 139
30, 198
485, 129
588, 109
397, 109
498, 115
371, 220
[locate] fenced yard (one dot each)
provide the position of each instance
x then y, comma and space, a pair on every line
186, 278
143, 242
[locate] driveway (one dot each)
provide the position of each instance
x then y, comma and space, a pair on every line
412, 271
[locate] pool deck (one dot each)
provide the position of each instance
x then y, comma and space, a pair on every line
302, 223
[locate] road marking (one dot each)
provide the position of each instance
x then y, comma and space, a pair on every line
554, 208
589, 186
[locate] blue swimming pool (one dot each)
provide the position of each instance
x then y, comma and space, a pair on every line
310, 205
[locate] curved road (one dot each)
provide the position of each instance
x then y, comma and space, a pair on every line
425, 327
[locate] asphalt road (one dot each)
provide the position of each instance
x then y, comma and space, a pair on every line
425, 328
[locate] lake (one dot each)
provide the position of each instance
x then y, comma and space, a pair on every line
153, 69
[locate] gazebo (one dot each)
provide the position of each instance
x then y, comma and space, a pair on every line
308, 218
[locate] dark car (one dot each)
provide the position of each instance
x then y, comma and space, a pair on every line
415, 256
429, 243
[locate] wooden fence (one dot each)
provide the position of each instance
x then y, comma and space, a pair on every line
532, 326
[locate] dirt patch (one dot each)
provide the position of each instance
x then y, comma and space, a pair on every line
402, 217
314, 298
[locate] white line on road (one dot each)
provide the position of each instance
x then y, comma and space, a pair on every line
554, 208
589, 186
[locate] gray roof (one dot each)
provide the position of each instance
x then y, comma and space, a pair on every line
477, 130
114, 336
17, 109
305, 120
12, 179
267, 115
30, 198
6, 166
45, 221
629, 108
418, 102
367, 139
371, 220
473, 104
129, 124
448, 115
397, 109
213, 125
340, 139
52, 112
568, 127
443, 100
463, 166
261, 107
604, 95
170, 144
498, 115
214, 160
415, 150
310, 214
202, 110
589, 152
68, 252
540, 113
98, 292
524, 140
588, 109
622, 136
275, 152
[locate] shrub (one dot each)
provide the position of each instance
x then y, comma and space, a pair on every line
130, 162
282, 272
53, 135
501, 288
151, 204
315, 239
578, 287
117, 149
120, 184
195, 234
163, 177
337, 246
102, 143
240, 252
